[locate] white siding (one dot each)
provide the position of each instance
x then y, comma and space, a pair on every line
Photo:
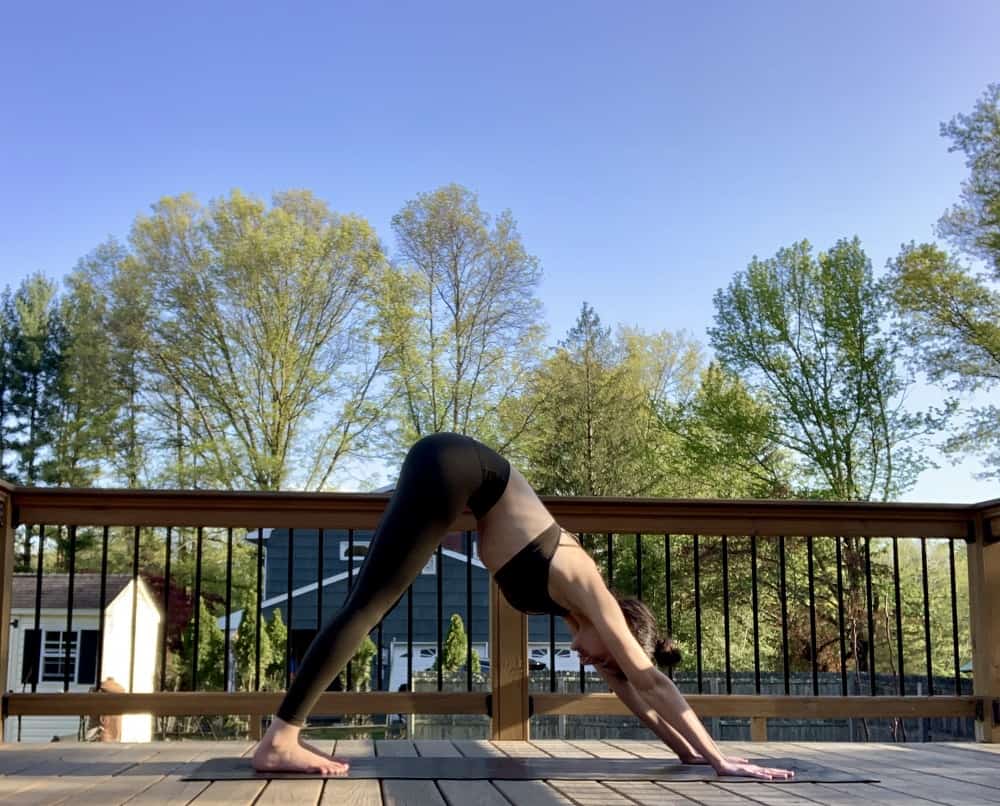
115, 663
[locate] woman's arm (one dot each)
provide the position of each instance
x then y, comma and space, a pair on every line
652, 685
647, 714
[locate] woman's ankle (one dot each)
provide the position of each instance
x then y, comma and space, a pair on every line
281, 732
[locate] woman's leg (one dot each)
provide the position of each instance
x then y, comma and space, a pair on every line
440, 475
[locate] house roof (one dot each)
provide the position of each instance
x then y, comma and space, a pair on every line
236, 617
55, 587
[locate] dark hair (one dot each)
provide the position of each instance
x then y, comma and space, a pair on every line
640, 619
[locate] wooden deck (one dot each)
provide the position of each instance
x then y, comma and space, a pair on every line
940, 773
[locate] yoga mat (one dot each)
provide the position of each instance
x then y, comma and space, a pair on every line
519, 769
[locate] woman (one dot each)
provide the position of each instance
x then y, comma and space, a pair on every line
539, 567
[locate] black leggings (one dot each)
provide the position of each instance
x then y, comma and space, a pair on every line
440, 475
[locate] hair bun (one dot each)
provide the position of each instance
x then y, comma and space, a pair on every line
666, 653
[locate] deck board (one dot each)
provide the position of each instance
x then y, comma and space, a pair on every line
53, 774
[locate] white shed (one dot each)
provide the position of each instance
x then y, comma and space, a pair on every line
41, 656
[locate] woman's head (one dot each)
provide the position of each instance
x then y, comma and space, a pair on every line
642, 624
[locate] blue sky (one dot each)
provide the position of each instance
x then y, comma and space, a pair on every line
647, 150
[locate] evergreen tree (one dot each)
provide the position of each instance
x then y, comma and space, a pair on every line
8, 342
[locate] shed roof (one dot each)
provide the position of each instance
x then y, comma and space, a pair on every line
55, 587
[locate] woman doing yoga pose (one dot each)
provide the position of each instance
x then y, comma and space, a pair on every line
539, 567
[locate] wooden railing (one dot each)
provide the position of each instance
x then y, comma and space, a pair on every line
510, 704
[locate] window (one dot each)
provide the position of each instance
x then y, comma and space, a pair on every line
54, 655
50, 656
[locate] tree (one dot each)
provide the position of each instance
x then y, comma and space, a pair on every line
84, 396
35, 364
361, 666
8, 343
459, 319
277, 633
948, 313
455, 650
729, 447
973, 225
245, 647
211, 652
804, 332
125, 285
594, 406
260, 327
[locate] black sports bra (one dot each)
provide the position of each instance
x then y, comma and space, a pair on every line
524, 578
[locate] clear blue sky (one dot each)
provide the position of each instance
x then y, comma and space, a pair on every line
648, 150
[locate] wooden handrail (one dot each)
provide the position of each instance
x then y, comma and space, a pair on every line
96, 507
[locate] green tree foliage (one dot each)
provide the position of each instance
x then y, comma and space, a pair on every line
459, 317
8, 346
973, 224
594, 407
35, 367
949, 313
211, 652
729, 449
455, 650
123, 282
361, 667
260, 326
278, 634
85, 398
805, 333
245, 648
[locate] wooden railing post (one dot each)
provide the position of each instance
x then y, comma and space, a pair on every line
6, 586
508, 668
984, 620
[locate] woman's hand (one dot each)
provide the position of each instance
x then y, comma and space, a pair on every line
695, 758
732, 766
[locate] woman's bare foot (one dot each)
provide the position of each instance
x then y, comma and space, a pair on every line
281, 750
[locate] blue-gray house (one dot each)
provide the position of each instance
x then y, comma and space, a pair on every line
336, 547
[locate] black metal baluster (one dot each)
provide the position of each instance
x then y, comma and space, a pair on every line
899, 616
39, 668
812, 615
638, 565
783, 595
259, 607
871, 614
289, 605
135, 605
725, 612
611, 563
320, 573
927, 618
954, 615
409, 638
350, 586
840, 619
229, 607
583, 674
197, 609
756, 614
439, 567
468, 610
697, 609
668, 591
102, 603
68, 657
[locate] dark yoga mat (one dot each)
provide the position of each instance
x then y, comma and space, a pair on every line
519, 769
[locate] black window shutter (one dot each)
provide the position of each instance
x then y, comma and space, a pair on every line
87, 665
32, 654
